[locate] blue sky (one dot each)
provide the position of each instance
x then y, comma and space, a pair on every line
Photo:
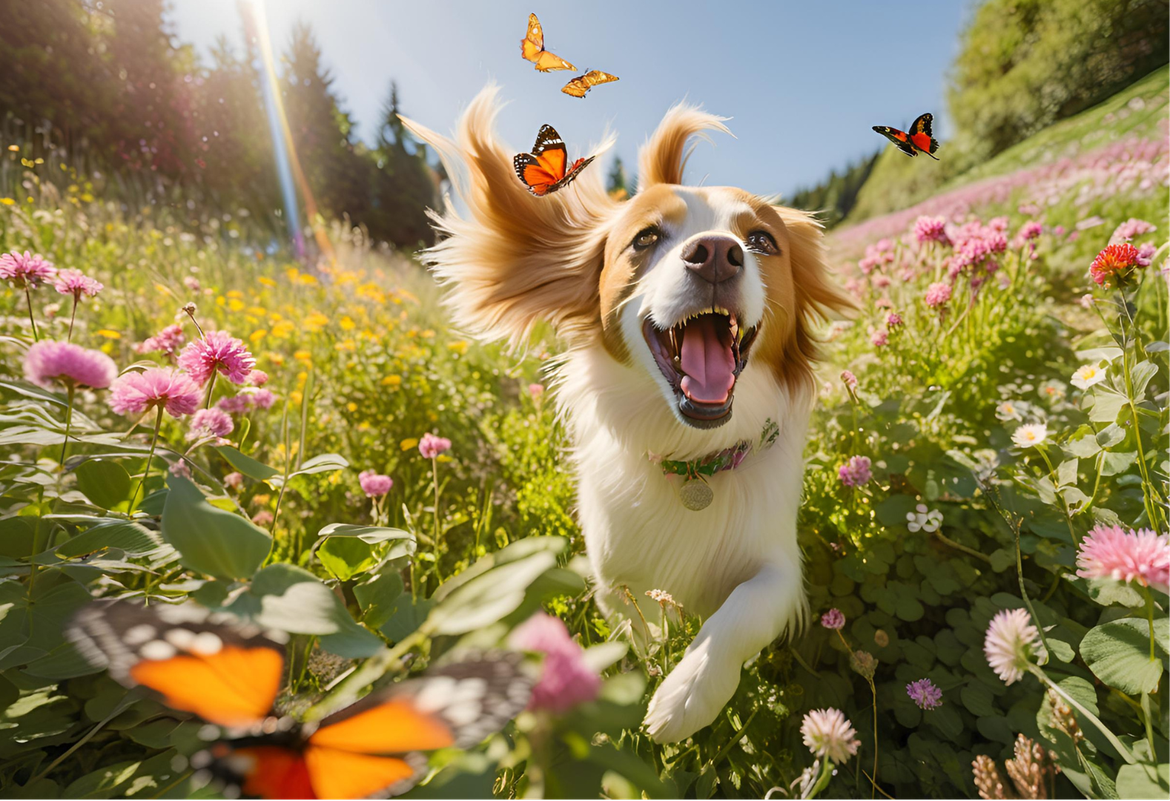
802, 81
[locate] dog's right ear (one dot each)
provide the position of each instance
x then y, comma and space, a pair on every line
515, 259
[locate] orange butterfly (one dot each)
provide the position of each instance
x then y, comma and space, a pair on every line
229, 673
919, 140
543, 170
583, 83
532, 49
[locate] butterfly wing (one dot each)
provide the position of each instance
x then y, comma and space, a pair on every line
542, 170
206, 663
583, 83
532, 49
900, 139
532, 44
922, 137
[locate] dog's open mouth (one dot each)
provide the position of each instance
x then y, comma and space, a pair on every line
701, 358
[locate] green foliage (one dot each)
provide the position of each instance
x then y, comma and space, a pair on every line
1025, 64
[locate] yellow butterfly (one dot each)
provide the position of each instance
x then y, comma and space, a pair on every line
532, 49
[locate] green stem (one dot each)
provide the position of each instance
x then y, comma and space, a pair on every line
346, 690
210, 389
1056, 490
149, 459
1126, 754
823, 779
1148, 717
735, 738
72, 317
68, 423
435, 484
873, 780
1150, 617
31, 320
960, 547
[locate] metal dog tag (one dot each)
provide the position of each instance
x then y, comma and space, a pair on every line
696, 494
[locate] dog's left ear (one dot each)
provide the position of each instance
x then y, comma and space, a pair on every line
815, 295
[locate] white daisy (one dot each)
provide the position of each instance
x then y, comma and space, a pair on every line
1088, 375
1030, 436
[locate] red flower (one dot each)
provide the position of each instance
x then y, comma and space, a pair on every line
1113, 264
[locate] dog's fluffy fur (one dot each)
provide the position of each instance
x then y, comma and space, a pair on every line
567, 258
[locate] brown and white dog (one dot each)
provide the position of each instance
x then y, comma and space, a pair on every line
687, 313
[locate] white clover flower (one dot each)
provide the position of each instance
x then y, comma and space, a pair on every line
1088, 375
828, 733
1008, 411
1012, 643
1030, 436
924, 519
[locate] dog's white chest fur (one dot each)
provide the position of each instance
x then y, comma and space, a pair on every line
639, 535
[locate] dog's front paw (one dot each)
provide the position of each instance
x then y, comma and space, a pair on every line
692, 695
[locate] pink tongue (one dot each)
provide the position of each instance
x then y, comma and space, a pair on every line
707, 362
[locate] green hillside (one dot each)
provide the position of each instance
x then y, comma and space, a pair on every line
897, 182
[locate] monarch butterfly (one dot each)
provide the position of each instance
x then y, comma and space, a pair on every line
583, 83
532, 49
920, 138
543, 170
229, 673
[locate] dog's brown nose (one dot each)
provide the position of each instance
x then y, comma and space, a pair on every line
713, 258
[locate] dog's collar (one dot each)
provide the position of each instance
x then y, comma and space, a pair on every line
695, 493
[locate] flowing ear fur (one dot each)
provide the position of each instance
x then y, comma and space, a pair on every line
664, 156
515, 259
817, 296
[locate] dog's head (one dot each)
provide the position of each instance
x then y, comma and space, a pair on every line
691, 285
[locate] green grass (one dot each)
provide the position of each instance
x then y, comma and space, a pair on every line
898, 182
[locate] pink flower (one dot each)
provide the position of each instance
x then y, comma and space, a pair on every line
210, 423
931, 229
893, 320
134, 393
849, 379
235, 404
234, 480
1113, 264
262, 398
76, 283
217, 351
262, 518
168, 341
1131, 229
257, 378
937, 294
431, 446
374, 484
48, 363
880, 338
566, 679
1111, 552
924, 694
192, 283
998, 224
1146, 254
180, 468
1029, 230
855, 472
833, 620
25, 270
535, 391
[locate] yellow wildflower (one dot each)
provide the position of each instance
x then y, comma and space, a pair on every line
256, 336
408, 443
108, 334
303, 355
392, 381
266, 281
459, 346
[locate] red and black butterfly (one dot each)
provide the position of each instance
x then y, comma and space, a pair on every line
229, 673
920, 138
543, 170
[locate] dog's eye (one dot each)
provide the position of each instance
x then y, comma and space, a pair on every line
647, 237
762, 242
